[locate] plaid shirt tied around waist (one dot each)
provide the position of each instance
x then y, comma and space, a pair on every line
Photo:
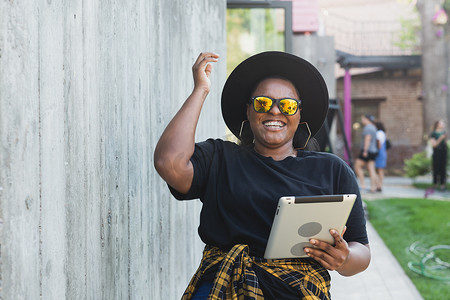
242, 276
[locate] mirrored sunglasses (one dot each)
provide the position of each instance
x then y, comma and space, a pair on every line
287, 106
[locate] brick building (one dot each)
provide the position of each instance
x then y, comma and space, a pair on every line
393, 97
385, 79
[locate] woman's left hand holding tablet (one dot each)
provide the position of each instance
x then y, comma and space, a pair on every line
329, 256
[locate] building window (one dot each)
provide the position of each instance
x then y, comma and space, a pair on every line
256, 26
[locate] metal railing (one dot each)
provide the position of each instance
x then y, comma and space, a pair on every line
369, 37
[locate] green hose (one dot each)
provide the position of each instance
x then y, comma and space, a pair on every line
430, 264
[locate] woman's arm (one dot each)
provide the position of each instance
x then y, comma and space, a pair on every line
367, 139
357, 261
346, 258
177, 143
434, 142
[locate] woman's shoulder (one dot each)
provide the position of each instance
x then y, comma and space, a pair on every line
218, 142
328, 159
324, 156
381, 133
218, 145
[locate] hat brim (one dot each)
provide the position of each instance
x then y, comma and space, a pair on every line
305, 77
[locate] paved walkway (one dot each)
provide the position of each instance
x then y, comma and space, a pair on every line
384, 279
401, 187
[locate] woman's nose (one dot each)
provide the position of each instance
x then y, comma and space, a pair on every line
275, 110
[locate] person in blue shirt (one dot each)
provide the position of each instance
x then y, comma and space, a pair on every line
381, 159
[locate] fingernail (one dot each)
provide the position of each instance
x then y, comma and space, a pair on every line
313, 242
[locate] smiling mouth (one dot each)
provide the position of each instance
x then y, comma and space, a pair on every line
274, 124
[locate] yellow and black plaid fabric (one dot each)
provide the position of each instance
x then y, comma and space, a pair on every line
237, 279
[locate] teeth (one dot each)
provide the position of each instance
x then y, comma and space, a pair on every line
274, 124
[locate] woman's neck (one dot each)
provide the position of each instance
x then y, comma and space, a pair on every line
279, 153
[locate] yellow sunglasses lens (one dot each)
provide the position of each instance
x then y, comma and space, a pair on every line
262, 104
288, 106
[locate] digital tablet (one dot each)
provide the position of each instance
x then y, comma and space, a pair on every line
298, 219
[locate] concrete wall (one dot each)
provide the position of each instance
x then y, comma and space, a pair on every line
319, 51
86, 89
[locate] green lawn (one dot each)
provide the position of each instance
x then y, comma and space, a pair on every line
402, 222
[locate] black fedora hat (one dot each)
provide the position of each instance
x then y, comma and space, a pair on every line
305, 77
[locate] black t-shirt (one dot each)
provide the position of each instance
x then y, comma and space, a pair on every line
240, 188
441, 148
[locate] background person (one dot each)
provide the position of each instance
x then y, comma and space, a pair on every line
273, 102
381, 159
438, 140
368, 153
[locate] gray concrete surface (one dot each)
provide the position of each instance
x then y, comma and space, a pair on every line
384, 279
401, 187
86, 89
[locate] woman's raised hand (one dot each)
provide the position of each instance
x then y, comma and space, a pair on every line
177, 143
202, 70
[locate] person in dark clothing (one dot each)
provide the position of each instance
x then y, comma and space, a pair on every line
438, 140
273, 102
368, 154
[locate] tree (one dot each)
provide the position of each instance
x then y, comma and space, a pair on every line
409, 36
435, 64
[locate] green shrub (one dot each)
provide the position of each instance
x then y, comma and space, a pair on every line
419, 164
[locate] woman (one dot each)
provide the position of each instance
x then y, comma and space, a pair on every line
380, 160
438, 142
273, 102
368, 153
